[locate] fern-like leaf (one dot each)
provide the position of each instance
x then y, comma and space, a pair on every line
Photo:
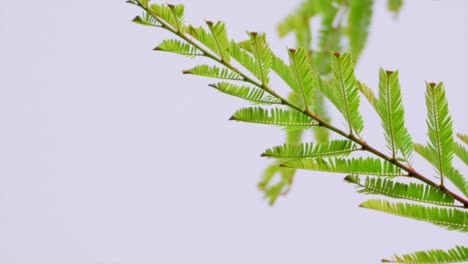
360, 15
282, 70
214, 72
457, 254
179, 47
367, 166
450, 218
303, 75
262, 53
346, 90
220, 38
440, 129
409, 191
252, 94
463, 138
461, 152
452, 173
290, 120
272, 187
392, 114
171, 14
311, 150
369, 94
146, 20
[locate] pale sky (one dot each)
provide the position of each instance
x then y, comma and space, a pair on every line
109, 155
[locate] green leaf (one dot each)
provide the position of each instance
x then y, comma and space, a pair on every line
461, 152
290, 120
251, 94
329, 38
410, 191
302, 75
171, 14
282, 70
392, 113
220, 39
272, 187
394, 6
311, 150
346, 89
214, 72
146, 20
457, 254
369, 94
359, 19
440, 129
179, 47
367, 166
463, 138
262, 54
452, 173
450, 218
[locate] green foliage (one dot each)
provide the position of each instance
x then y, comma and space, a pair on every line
314, 80
409, 191
394, 6
461, 152
457, 254
179, 47
311, 150
214, 72
440, 132
275, 116
367, 166
302, 75
463, 138
392, 113
450, 218
252, 94
346, 89
360, 15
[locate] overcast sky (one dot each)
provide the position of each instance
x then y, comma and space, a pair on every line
108, 154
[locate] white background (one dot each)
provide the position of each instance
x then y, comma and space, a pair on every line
108, 154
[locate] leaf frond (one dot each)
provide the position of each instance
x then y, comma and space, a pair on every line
303, 76
346, 88
146, 20
359, 19
262, 53
220, 39
366, 166
214, 72
179, 47
452, 173
463, 138
440, 130
461, 152
311, 150
412, 191
252, 94
392, 113
290, 120
457, 254
171, 14
450, 218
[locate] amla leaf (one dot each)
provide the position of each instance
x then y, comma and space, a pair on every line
439, 124
409, 191
302, 75
179, 47
171, 14
457, 254
346, 90
290, 120
251, 94
450, 218
367, 166
392, 113
214, 72
311, 150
